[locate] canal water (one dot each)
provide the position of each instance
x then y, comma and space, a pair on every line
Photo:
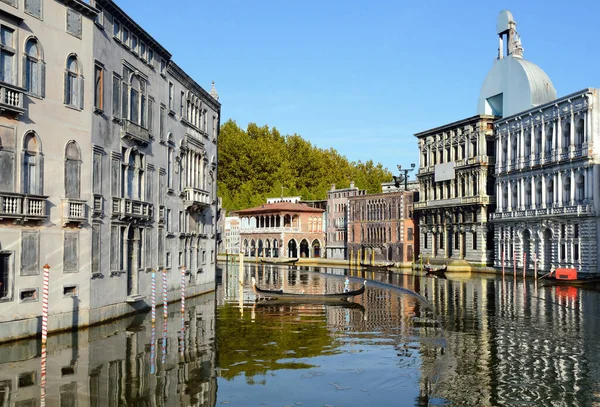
409, 340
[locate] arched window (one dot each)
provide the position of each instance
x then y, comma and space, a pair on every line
35, 70
72, 170
7, 159
538, 193
566, 135
538, 142
567, 191
73, 83
549, 130
550, 192
32, 165
580, 189
134, 174
527, 146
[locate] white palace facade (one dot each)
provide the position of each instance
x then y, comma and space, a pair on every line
545, 175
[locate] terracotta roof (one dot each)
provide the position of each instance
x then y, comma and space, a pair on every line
279, 207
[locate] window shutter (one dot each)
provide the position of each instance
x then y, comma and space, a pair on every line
81, 91
42, 65
66, 89
24, 67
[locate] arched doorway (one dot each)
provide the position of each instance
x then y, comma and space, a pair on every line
275, 248
547, 248
245, 247
267, 248
292, 248
252, 248
316, 248
390, 253
527, 248
304, 250
260, 248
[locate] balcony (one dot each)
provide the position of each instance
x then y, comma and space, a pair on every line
196, 198
577, 210
23, 208
125, 208
11, 98
284, 229
74, 211
465, 200
135, 132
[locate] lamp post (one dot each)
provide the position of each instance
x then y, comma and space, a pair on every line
398, 179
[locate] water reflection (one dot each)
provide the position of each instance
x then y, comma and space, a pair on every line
465, 341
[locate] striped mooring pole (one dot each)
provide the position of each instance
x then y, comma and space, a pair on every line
165, 302
153, 296
183, 289
153, 349
43, 377
163, 349
45, 304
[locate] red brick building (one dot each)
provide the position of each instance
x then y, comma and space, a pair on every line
381, 227
282, 229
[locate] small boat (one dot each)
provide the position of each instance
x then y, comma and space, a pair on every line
281, 295
279, 260
569, 276
266, 303
441, 271
377, 266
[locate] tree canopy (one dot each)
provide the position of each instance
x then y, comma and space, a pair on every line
260, 163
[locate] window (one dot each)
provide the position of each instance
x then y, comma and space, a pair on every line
117, 29
409, 233
125, 36
134, 98
116, 96
143, 50
182, 104
161, 124
73, 83
474, 240
34, 7
32, 180
7, 55
97, 173
72, 170
34, 74
134, 175
6, 278
30, 253
134, 43
150, 115
170, 167
115, 248
7, 159
151, 57
70, 251
171, 96
11, 2
73, 23
168, 260
99, 20
163, 66
99, 87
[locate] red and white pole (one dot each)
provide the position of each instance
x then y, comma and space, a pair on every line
183, 289
153, 297
165, 302
43, 377
45, 304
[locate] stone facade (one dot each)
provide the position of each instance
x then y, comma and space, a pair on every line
457, 191
282, 229
337, 220
547, 205
110, 152
232, 235
381, 228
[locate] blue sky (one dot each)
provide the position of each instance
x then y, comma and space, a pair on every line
363, 76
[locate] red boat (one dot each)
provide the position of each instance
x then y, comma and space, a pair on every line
569, 276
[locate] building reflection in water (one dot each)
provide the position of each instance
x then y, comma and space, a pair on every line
115, 364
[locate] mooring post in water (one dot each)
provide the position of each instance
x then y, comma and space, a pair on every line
153, 349
182, 289
153, 296
165, 302
45, 303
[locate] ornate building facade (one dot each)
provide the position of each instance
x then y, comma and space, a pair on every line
457, 192
108, 166
381, 227
282, 229
547, 207
337, 220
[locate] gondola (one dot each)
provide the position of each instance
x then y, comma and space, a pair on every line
279, 260
568, 276
436, 272
281, 295
384, 266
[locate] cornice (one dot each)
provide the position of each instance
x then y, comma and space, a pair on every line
179, 74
